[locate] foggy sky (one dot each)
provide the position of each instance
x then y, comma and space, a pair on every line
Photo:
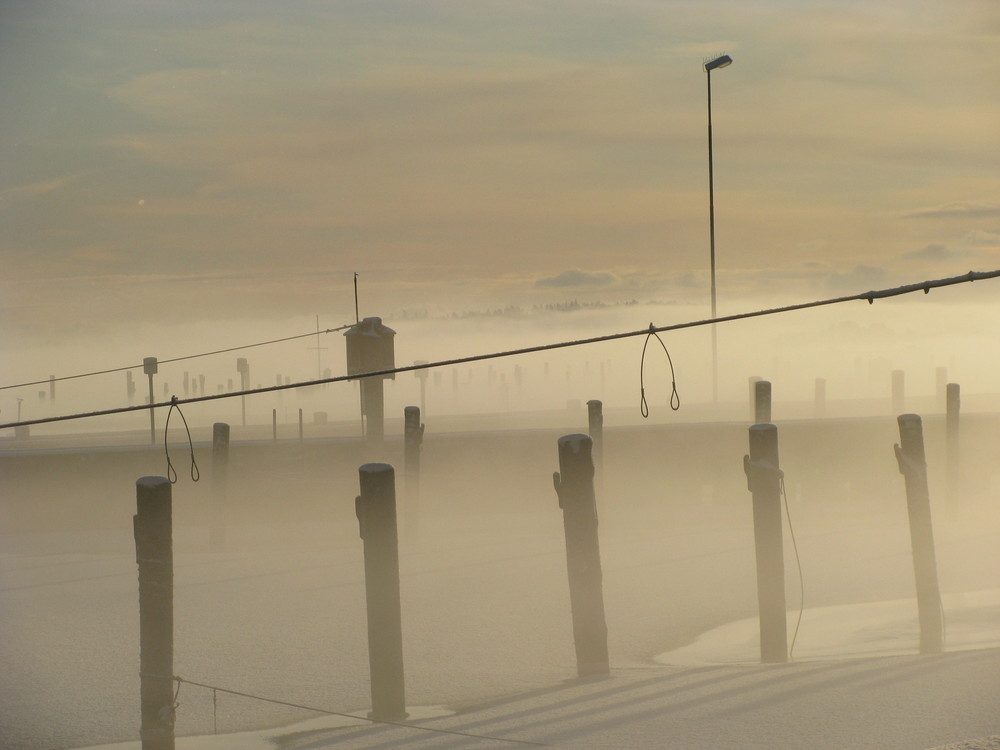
189, 161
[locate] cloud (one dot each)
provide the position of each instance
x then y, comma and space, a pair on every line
931, 252
952, 210
858, 279
34, 189
575, 277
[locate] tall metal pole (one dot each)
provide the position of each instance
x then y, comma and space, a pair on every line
711, 225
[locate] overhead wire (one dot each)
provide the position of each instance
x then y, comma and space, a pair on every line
869, 296
174, 359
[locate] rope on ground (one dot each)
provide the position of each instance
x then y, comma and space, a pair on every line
402, 724
869, 297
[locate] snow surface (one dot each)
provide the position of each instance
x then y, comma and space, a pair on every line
972, 621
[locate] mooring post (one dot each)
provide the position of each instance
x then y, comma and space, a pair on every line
413, 437
574, 484
274, 425
898, 391
220, 491
300, 424
913, 467
152, 526
752, 381
595, 426
150, 367
376, 511
764, 481
952, 445
762, 401
819, 408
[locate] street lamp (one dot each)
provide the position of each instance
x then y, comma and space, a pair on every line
722, 61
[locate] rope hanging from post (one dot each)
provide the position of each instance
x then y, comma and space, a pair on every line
798, 564
171, 472
675, 399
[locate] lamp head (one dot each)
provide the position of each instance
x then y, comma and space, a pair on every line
722, 61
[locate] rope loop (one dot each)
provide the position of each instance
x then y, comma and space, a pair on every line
675, 398
171, 472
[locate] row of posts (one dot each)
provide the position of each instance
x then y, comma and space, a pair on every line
898, 394
574, 485
761, 414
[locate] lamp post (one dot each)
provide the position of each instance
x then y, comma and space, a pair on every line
722, 61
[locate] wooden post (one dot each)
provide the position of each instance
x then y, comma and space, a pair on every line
274, 425
764, 481
574, 483
413, 437
752, 381
300, 425
220, 481
595, 422
898, 395
762, 401
913, 467
941, 385
152, 526
373, 398
376, 511
952, 450
819, 410
149, 366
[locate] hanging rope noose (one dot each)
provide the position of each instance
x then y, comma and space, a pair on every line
675, 399
171, 473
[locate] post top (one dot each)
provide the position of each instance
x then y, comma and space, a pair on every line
763, 427
151, 482
374, 468
575, 442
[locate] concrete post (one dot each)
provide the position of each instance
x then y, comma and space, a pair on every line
595, 426
376, 511
952, 445
149, 367
373, 399
819, 409
913, 467
220, 490
762, 401
413, 437
898, 394
752, 382
574, 484
941, 384
152, 526
764, 481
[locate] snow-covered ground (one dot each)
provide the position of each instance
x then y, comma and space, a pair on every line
281, 613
